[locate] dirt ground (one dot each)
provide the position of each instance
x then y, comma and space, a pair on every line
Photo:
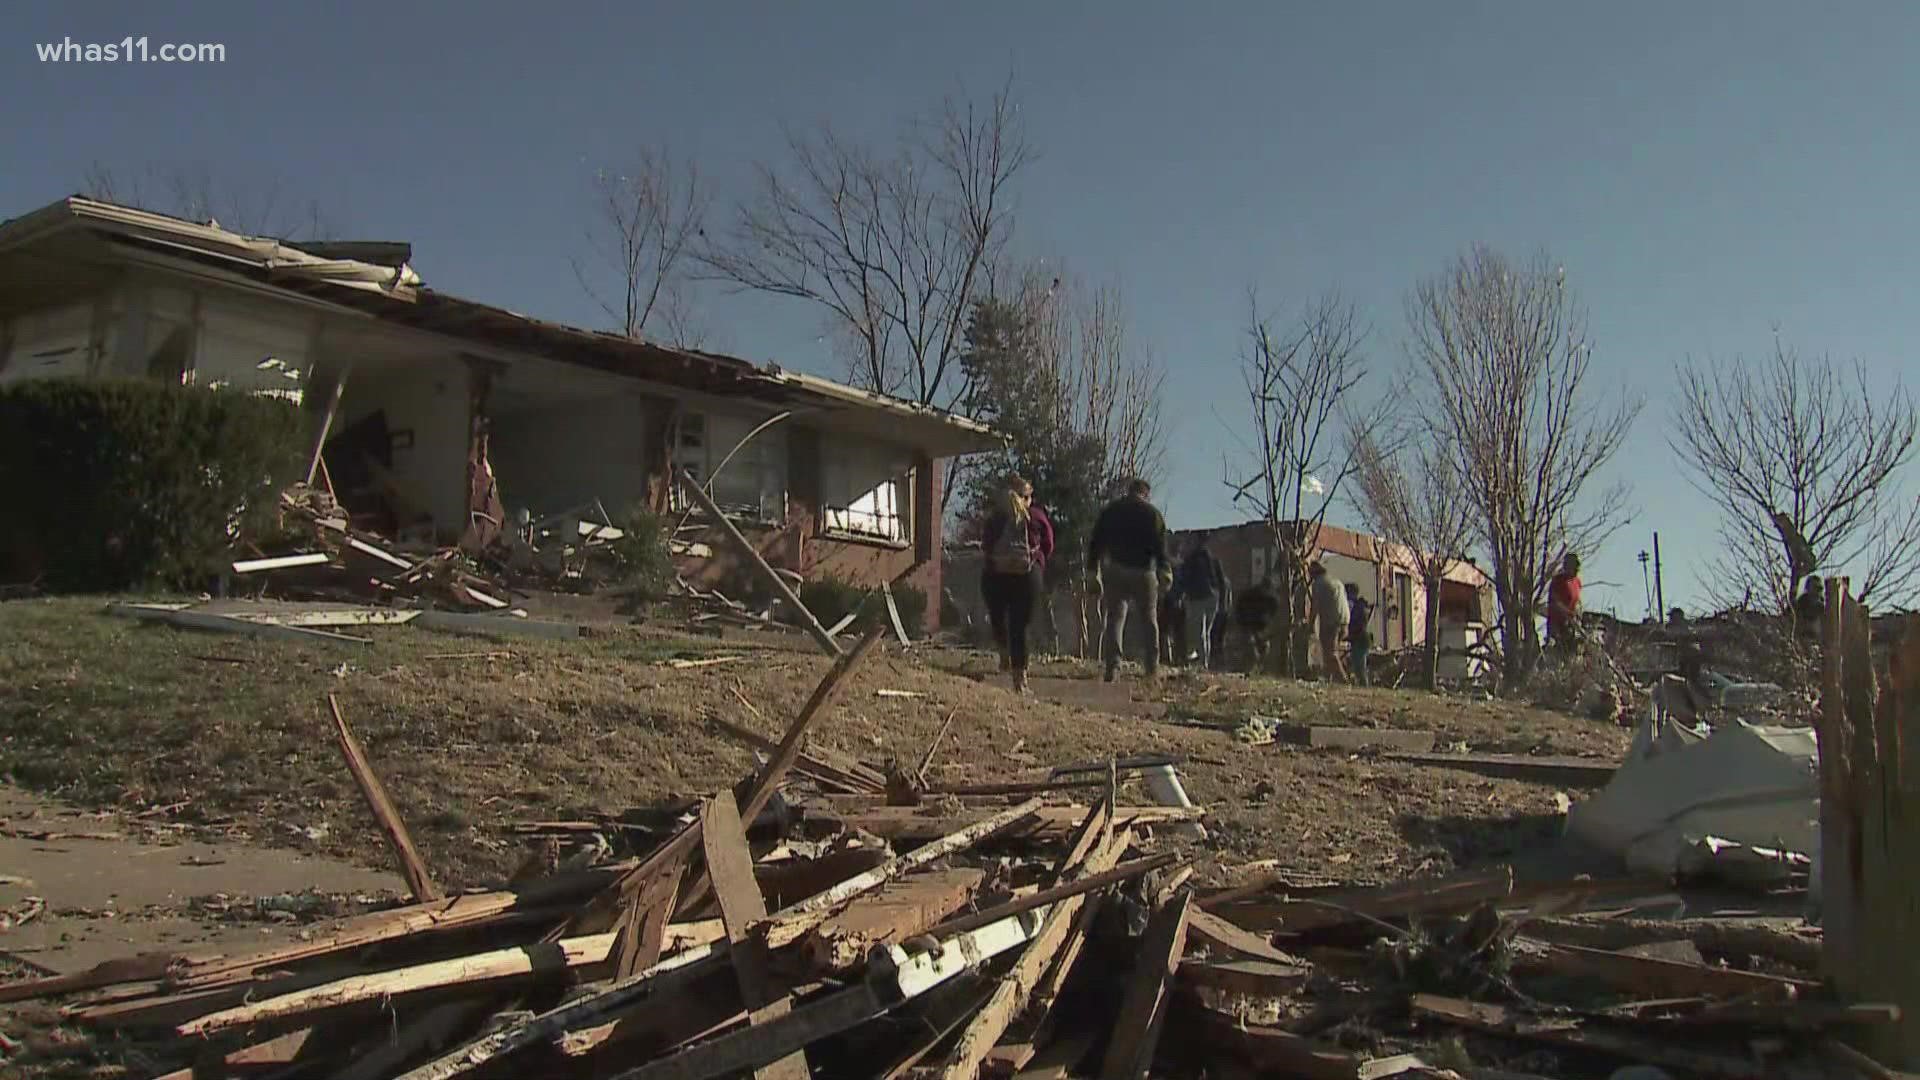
229, 736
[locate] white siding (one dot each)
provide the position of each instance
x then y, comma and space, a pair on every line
48, 343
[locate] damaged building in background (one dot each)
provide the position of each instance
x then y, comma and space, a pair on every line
444, 420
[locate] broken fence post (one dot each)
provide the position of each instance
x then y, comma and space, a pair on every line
412, 866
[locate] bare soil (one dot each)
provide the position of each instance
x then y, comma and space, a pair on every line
229, 735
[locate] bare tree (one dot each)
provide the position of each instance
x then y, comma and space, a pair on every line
1407, 489
1109, 385
647, 221
1301, 382
1803, 461
191, 193
894, 244
1505, 354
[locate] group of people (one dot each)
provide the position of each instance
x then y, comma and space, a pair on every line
1131, 569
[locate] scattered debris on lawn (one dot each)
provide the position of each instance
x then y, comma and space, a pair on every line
830, 917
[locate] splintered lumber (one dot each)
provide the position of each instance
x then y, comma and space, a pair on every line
788, 882
1219, 933
663, 978
942, 1013
1558, 770
754, 559
1024, 787
933, 748
1124, 872
730, 868
1257, 978
1653, 977
824, 694
1405, 899
641, 933
412, 866
427, 1033
216, 967
790, 925
227, 624
1093, 851
519, 963
895, 912
1143, 1011
142, 968
1558, 1031
1714, 937
820, 766
911, 824
894, 978
275, 1053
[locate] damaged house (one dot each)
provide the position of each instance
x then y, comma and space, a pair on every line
444, 419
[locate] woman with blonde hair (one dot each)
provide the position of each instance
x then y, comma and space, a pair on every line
1017, 541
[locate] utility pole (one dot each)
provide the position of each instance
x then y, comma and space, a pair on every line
1659, 590
1646, 585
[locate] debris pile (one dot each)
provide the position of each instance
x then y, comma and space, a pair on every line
832, 918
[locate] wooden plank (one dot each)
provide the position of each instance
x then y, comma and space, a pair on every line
1219, 933
1123, 872
215, 967
1559, 771
1143, 1011
1016, 988
227, 624
893, 913
1353, 738
910, 824
1499, 1020
815, 764
1270, 1051
280, 562
1400, 900
518, 963
1046, 993
754, 559
271, 1055
1258, 978
933, 747
643, 924
791, 924
412, 866
730, 868
1734, 938
1029, 787
1652, 977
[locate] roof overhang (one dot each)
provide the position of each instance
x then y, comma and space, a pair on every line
390, 291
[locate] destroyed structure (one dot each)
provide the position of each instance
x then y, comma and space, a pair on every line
446, 421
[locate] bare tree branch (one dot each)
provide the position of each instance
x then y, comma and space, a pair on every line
1505, 355
647, 219
1300, 382
1809, 442
894, 244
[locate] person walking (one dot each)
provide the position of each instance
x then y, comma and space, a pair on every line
1200, 583
1328, 612
1254, 611
1359, 634
1127, 559
1018, 540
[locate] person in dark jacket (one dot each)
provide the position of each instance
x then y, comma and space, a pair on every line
1359, 634
1201, 583
1127, 559
1017, 541
1254, 611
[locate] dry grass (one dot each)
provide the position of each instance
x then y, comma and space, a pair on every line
104, 712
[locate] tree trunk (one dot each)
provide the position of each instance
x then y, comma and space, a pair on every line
1431, 677
1870, 824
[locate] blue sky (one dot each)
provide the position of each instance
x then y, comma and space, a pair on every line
1705, 171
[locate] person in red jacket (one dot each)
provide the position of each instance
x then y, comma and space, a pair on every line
1018, 541
1563, 605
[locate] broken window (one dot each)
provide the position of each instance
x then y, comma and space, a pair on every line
753, 485
867, 492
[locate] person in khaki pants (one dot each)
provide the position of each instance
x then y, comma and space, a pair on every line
1128, 561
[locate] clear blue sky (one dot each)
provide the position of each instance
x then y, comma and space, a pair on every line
1705, 171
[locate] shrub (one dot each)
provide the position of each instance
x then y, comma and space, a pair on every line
111, 484
831, 599
646, 563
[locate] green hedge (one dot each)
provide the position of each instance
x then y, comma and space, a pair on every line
111, 484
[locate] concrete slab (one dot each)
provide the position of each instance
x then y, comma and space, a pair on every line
1351, 738
106, 898
1108, 697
